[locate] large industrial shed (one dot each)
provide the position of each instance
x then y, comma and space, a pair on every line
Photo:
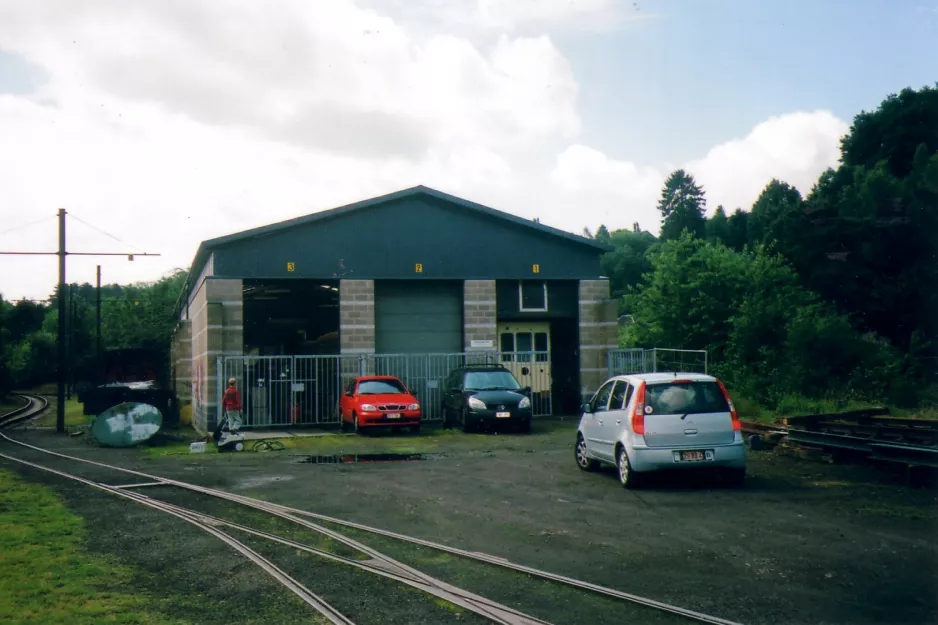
410, 284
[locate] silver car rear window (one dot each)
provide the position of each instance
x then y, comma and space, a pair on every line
685, 398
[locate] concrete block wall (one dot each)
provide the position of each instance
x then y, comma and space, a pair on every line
479, 314
181, 358
357, 316
599, 332
356, 328
216, 312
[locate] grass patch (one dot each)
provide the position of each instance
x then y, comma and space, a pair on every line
436, 440
45, 574
796, 406
9, 404
74, 415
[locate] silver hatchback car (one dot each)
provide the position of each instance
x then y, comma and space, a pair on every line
654, 421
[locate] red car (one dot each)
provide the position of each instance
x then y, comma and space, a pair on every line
379, 401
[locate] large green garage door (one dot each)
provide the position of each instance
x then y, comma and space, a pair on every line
418, 317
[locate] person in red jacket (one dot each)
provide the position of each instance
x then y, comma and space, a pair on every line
231, 403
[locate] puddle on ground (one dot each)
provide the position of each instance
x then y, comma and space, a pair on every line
363, 458
263, 480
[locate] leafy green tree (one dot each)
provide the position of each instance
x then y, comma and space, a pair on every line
24, 318
718, 227
4, 340
139, 315
682, 207
778, 216
689, 297
602, 235
738, 230
629, 262
871, 245
766, 333
893, 132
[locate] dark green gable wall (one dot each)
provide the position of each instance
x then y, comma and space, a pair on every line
562, 301
387, 241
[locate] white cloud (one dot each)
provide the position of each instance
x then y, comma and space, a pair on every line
165, 183
344, 79
795, 148
511, 13
481, 16
616, 193
169, 123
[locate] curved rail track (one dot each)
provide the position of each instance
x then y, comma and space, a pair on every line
378, 563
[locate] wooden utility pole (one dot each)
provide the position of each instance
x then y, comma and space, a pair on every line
60, 404
62, 366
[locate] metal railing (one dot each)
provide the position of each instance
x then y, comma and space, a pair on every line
305, 390
625, 361
637, 360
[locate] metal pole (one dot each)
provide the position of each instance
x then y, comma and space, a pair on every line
99, 374
60, 395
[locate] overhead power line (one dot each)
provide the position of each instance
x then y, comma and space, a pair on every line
23, 226
107, 234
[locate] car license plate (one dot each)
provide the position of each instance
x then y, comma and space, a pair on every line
502, 415
692, 455
394, 415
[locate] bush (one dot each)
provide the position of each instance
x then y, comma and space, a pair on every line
772, 340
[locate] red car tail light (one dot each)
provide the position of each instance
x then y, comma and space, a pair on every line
733, 414
638, 415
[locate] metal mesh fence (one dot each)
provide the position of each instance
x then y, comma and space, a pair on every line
679, 360
305, 390
625, 361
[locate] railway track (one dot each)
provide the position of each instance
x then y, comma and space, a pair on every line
377, 562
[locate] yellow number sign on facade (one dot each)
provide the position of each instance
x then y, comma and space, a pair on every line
418, 268
291, 267
535, 269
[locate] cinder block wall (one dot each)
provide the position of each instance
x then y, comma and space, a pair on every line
357, 316
479, 314
599, 332
356, 328
217, 317
181, 358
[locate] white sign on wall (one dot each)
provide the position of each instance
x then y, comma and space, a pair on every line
481, 343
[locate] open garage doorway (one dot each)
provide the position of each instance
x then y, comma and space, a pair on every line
290, 327
291, 317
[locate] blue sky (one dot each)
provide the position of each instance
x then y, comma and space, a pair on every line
668, 89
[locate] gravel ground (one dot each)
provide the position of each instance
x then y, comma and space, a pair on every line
802, 542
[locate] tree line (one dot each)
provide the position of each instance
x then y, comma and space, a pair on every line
830, 294
132, 316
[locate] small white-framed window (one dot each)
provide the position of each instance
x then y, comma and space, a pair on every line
532, 296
